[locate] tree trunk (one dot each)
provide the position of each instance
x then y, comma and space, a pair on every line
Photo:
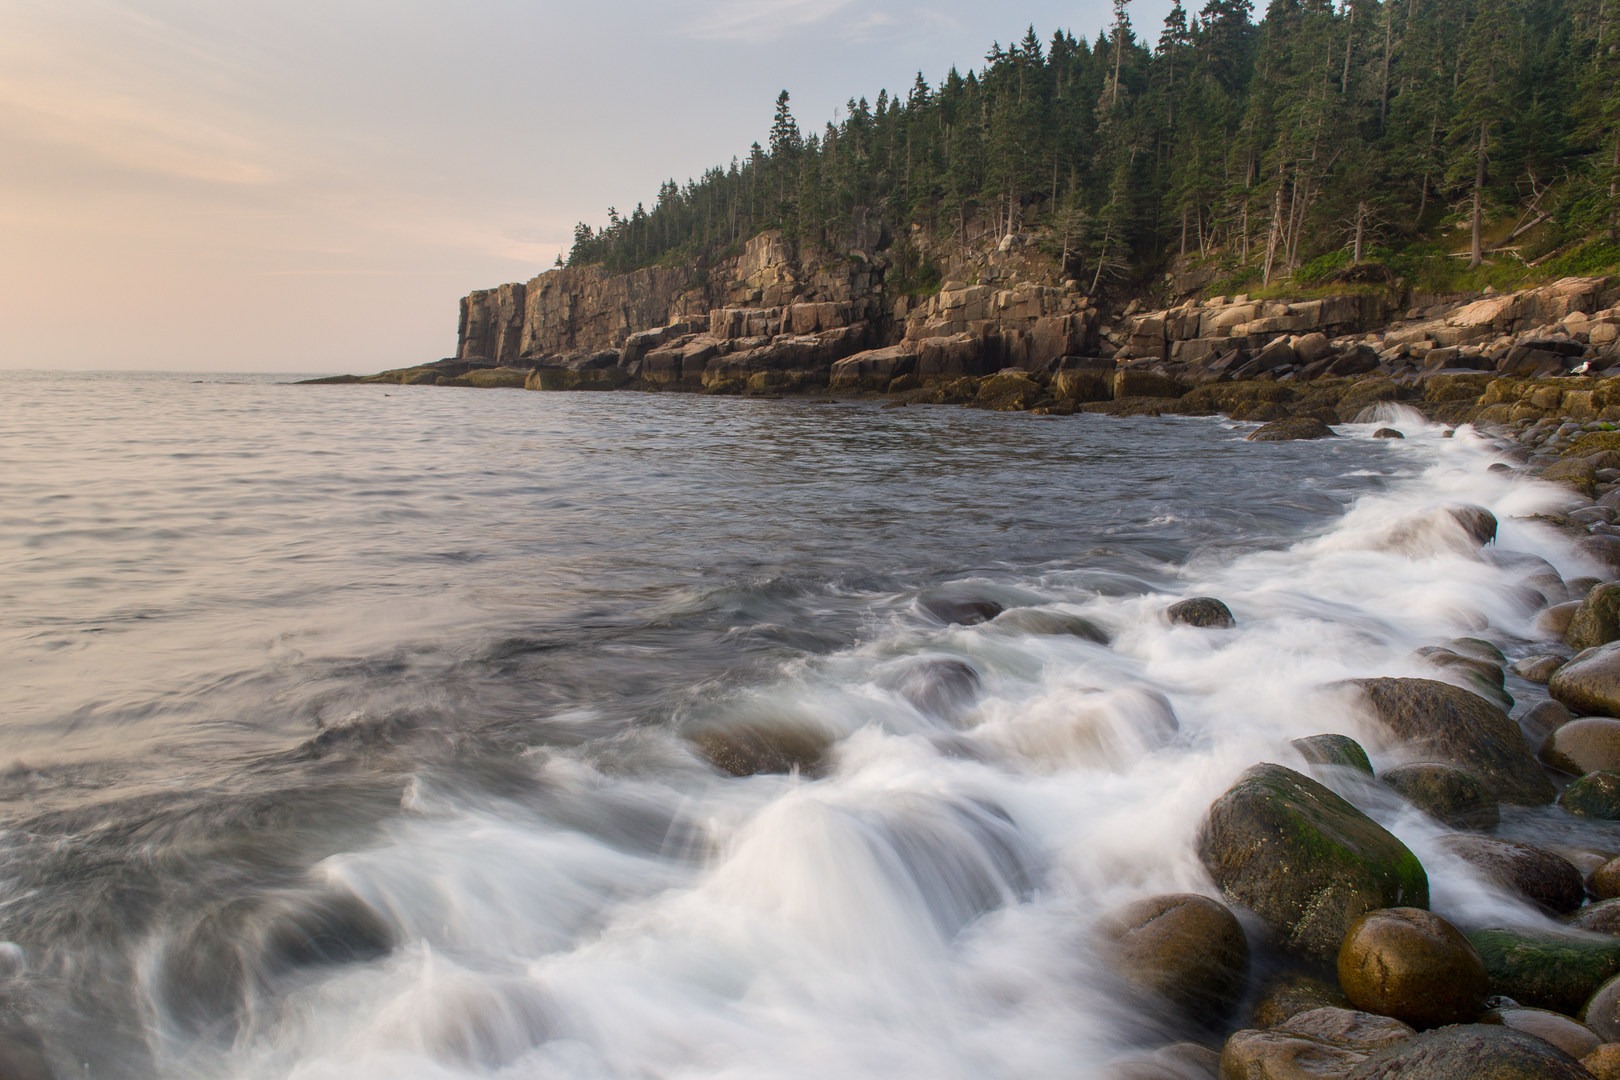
1349, 47
1477, 252
1361, 229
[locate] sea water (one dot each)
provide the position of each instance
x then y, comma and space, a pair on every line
354, 731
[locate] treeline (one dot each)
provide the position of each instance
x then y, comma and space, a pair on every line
1326, 126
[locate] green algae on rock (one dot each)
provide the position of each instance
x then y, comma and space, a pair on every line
1304, 860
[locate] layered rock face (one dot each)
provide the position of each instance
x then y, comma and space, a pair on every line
764, 321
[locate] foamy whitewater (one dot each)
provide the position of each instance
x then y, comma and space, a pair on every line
346, 729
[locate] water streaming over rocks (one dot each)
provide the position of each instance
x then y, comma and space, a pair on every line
391, 732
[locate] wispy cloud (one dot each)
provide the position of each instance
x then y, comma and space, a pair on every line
758, 21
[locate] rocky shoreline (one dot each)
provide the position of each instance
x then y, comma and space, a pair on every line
1323, 961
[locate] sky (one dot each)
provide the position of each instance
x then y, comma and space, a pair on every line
311, 185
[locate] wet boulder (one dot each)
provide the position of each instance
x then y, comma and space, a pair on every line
1547, 969
1321, 1044
1597, 620
1334, 749
1590, 684
959, 609
1542, 719
1471, 1052
1303, 859
1202, 611
1548, 880
1602, 1011
1450, 795
1604, 1062
941, 687
1595, 795
1603, 550
1441, 722
1046, 621
1387, 433
1602, 917
1538, 669
1604, 882
1184, 949
1568, 1034
752, 747
1285, 996
1292, 429
1589, 744
1413, 965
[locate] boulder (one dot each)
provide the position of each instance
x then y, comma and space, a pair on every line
1387, 433
1286, 996
1441, 722
1604, 1062
1604, 882
1334, 750
1453, 796
1184, 949
1295, 427
1548, 880
1590, 744
1202, 611
1597, 620
1538, 669
1303, 859
1569, 1035
747, 748
1602, 917
1045, 621
1547, 969
1279, 1055
1471, 1052
959, 609
1602, 1011
1595, 795
1604, 550
1542, 719
1413, 965
941, 687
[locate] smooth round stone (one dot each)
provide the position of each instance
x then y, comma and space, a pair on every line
1595, 795
1187, 949
1604, 882
1602, 917
1446, 793
1469, 1052
1387, 433
1285, 996
1414, 966
1542, 719
1202, 611
1569, 1035
1538, 669
1597, 620
1602, 1012
1547, 879
1554, 622
1590, 744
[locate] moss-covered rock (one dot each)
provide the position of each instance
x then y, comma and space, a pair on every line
1334, 749
501, 378
1368, 393
1593, 442
1304, 860
1441, 722
1573, 473
1548, 969
1595, 795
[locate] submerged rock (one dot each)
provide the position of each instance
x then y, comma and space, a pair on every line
1446, 793
1305, 860
1202, 611
1413, 965
958, 610
1185, 949
748, 748
1548, 880
1445, 723
941, 687
1032, 620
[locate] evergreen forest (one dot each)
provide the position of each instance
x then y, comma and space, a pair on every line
1329, 134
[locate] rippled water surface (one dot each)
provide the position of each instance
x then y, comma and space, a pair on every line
360, 731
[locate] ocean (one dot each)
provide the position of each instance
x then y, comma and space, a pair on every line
371, 731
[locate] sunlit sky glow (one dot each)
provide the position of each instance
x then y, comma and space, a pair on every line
310, 185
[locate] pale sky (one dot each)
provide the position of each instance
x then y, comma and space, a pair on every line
311, 185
